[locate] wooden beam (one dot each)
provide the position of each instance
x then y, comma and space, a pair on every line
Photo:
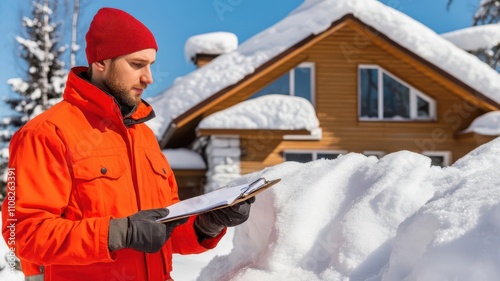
253, 133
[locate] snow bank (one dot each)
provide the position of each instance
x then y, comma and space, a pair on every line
213, 43
476, 37
267, 112
360, 218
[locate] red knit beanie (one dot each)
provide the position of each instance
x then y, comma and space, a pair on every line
113, 33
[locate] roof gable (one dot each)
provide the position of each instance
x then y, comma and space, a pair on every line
186, 98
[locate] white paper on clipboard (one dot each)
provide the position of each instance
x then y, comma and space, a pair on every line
221, 197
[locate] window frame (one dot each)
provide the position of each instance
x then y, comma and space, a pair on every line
291, 81
314, 153
413, 100
443, 153
312, 67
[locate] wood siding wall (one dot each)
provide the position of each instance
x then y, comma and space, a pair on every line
336, 61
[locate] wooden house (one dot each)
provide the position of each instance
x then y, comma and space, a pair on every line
374, 87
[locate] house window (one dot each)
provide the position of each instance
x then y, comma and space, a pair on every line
438, 158
306, 156
383, 96
297, 82
298, 157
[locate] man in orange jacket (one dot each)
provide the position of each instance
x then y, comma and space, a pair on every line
87, 178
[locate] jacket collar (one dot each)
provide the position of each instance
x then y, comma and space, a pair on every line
88, 97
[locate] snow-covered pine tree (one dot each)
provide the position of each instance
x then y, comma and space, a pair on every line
74, 28
45, 76
488, 12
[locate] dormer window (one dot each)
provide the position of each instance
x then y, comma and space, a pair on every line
383, 96
296, 82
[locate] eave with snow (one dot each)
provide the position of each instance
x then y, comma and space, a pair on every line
278, 115
340, 43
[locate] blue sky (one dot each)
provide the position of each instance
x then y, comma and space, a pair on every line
174, 21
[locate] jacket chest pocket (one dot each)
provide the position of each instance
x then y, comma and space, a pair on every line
101, 184
158, 178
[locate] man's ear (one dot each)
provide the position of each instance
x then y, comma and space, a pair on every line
100, 65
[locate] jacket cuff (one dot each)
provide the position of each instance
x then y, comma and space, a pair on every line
117, 234
185, 240
205, 229
210, 242
104, 253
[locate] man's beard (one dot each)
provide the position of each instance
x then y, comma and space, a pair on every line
118, 90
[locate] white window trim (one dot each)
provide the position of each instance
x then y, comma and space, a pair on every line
445, 154
312, 66
413, 97
432, 105
291, 80
314, 153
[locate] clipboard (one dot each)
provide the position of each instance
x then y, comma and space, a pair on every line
217, 199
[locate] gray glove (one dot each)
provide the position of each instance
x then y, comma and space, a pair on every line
141, 231
210, 224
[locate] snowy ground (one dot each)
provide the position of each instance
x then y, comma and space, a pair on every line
361, 218
188, 267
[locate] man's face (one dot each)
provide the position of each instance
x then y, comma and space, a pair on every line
127, 77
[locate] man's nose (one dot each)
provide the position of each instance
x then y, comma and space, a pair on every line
147, 76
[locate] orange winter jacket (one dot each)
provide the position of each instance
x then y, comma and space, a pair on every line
72, 169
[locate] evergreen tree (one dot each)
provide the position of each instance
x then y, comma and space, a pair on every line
45, 76
488, 12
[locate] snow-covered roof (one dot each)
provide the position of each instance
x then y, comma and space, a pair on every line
487, 124
314, 17
279, 112
213, 43
184, 159
476, 37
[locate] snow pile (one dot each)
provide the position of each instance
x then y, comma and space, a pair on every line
214, 43
278, 112
476, 37
184, 159
487, 124
361, 218
314, 17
